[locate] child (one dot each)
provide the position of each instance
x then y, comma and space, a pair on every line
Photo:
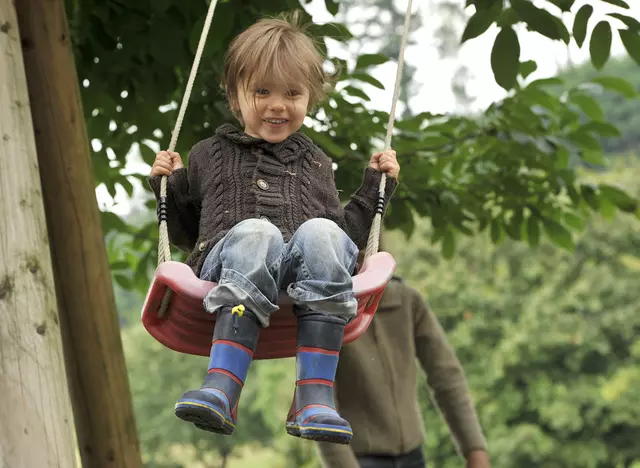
260, 212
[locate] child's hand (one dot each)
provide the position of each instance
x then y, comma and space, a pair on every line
166, 162
385, 161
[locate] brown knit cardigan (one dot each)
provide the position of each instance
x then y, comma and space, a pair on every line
233, 176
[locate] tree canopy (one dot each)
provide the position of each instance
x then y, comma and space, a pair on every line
510, 170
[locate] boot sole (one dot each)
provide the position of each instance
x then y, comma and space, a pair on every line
204, 416
322, 433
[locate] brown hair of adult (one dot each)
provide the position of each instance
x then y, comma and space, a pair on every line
274, 50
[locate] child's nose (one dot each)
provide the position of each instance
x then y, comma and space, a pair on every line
276, 104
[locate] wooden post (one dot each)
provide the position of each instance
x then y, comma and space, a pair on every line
36, 424
100, 393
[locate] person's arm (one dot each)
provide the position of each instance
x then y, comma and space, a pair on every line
183, 202
447, 381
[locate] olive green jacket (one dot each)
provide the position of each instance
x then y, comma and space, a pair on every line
376, 382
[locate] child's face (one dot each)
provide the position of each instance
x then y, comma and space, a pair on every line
271, 111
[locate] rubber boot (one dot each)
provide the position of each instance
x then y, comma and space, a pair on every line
214, 407
313, 413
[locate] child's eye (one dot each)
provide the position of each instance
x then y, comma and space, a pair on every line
293, 92
262, 91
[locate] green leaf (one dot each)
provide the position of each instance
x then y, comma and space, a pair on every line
563, 157
619, 198
332, 6
594, 157
527, 68
564, 5
588, 105
585, 140
496, 231
119, 265
481, 20
505, 58
533, 231
123, 281
400, 217
600, 44
618, 84
430, 141
540, 97
514, 226
369, 60
554, 81
367, 79
112, 222
558, 234
507, 18
574, 221
325, 142
562, 30
537, 19
632, 23
631, 41
148, 155
357, 92
336, 31
602, 128
590, 196
448, 244
607, 208
619, 3
449, 200
580, 24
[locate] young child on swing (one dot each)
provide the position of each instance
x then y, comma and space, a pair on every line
259, 210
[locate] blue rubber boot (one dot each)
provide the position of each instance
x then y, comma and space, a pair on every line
313, 415
214, 407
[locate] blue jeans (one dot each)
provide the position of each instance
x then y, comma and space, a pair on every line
252, 264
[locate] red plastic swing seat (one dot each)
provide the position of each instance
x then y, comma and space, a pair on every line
187, 328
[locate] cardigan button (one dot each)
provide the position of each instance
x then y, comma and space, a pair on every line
202, 246
262, 184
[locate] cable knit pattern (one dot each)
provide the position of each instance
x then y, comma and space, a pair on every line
233, 176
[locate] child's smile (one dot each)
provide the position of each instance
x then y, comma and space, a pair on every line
271, 111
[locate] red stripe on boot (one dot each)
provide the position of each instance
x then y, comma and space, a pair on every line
313, 406
309, 349
314, 381
227, 373
234, 344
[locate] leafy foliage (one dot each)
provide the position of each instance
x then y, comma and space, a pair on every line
619, 83
542, 20
506, 169
548, 340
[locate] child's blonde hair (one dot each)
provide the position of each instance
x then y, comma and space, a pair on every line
274, 50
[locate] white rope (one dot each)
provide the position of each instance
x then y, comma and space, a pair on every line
164, 249
374, 234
